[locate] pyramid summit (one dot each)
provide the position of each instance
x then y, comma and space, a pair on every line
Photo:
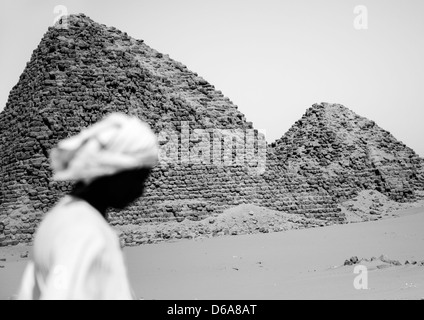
81, 73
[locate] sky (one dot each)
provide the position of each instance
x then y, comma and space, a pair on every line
272, 58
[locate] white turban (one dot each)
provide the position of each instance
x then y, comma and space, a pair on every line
115, 144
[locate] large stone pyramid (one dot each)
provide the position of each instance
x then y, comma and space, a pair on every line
79, 74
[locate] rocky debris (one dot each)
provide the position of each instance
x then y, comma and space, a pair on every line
240, 220
371, 205
1, 267
352, 261
78, 75
384, 259
24, 255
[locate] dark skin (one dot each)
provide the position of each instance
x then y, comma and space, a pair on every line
116, 191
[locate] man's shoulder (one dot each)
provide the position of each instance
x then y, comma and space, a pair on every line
70, 207
77, 220
76, 215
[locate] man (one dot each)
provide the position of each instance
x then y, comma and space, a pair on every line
77, 254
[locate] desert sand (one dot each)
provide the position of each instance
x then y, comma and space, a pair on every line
296, 264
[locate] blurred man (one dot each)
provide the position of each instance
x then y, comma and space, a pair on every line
77, 255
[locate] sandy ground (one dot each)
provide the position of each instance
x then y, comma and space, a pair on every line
297, 264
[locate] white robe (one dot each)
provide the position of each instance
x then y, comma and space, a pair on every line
77, 256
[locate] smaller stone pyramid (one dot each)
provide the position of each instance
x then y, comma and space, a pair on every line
343, 153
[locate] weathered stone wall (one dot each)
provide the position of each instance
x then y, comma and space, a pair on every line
187, 192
